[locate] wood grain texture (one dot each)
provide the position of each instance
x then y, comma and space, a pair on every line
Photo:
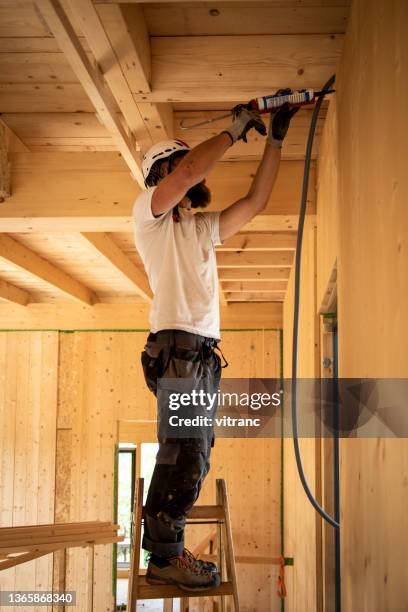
187, 19
276, 61
372, 294
124, 316
300, 517
28, 409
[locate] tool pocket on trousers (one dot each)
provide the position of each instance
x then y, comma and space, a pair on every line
184, 363
152, 365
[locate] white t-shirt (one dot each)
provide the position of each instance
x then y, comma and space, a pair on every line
179, 259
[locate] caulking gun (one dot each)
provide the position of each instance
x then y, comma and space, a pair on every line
267, 104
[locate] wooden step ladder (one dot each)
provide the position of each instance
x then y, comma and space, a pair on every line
218, 515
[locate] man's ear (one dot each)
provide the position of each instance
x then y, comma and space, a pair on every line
164, 169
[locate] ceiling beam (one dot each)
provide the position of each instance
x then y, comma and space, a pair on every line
254, 286
253, 274
19, 255
275, 241
128, 35
92, 82
279, 296
109, 249
281, 3
93, 192
248, 259
14, 294
237, 68
125, 316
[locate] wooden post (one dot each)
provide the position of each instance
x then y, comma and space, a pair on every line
4, 165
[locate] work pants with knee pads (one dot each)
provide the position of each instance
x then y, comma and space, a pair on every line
181, 462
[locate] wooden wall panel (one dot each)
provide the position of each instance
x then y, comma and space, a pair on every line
301, 526
251, 468
373, 293
28, 409
327, 202
101, 382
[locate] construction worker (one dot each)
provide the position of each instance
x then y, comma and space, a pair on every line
177, 248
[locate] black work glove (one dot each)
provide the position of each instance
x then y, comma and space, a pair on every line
279, 122
245, 120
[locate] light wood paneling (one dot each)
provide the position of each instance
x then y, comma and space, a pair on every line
186, 19
294, 61
101, 382
372, 294
300, 518
124, 316
327, 203
28, 409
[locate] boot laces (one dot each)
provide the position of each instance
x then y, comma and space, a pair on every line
188, 561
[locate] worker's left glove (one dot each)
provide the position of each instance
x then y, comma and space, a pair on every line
245, 120
279, 122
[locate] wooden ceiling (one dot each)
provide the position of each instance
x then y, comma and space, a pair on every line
86, 87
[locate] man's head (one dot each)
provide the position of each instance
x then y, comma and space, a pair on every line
161, 159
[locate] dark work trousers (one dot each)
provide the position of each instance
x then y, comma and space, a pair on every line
181, 462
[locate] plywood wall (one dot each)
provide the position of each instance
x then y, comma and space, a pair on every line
301, 525
28, 410
72, 391
370, 125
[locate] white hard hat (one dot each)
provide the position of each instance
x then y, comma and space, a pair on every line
161, 150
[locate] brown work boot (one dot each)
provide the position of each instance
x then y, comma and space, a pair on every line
184, 571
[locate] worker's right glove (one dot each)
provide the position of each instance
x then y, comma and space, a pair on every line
279, 123
245, 120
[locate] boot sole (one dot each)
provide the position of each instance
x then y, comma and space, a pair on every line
150, 579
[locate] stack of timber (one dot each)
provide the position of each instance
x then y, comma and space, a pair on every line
25, 543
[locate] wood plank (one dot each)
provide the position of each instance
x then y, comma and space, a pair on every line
206, 512
147, 591
104, 244
278, 241
189, 19
248, 259
4, 164
55, 125
306, 60
92, 82
14, 144
123, 316
44, 97
277, 296
35, 68
133, 583
93, 192
14, 294
26, 259
255, 3
129, 37
255, 286
20, 19
252, 274
117, 53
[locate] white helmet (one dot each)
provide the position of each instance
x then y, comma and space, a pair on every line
161, 150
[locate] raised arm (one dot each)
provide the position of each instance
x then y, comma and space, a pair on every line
237, 215
195, 166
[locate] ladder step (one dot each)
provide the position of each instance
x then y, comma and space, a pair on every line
204, 512
162, 591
